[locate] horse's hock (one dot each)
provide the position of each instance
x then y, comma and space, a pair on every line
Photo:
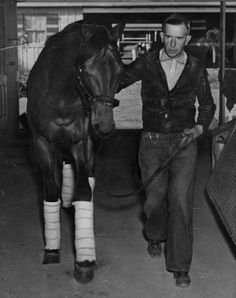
117, 170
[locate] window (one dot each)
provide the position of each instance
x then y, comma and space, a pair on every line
35, 28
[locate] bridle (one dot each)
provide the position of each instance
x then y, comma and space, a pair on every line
91, 98
87, 101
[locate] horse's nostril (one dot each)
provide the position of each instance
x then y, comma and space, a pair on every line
103, 132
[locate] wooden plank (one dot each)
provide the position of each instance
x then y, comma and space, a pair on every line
68, 15
222, 61
3, 77
234, 42
11, 69
113, 1
187, 3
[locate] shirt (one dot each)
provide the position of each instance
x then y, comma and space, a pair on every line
173, 67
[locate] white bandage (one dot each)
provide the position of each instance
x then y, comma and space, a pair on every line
52, 225
67, 185
91, 181
84, 231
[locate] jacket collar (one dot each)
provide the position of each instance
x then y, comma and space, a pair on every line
180, 59
183, 77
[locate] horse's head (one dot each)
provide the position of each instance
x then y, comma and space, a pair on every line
100, 67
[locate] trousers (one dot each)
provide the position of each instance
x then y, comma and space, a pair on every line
168, 207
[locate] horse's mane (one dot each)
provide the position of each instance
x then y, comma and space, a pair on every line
97, 41
60, 37
86, 37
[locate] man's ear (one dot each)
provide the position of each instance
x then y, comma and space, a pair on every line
188, 38
162, 36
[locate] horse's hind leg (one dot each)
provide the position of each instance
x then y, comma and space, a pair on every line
51, 186
67, 189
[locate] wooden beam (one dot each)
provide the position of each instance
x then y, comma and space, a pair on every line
203, 4
234, 42
222, 61
135, 7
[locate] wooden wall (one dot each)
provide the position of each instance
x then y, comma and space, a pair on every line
56, 17
8, 70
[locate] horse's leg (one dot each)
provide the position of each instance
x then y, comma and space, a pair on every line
67, 185
51, 208
84, 225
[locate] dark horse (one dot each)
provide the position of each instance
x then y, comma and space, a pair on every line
70, 100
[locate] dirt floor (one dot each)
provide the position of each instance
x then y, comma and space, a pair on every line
125, 269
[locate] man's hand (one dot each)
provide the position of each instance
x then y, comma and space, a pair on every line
190, 135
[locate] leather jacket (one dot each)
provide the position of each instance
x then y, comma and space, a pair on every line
171, 111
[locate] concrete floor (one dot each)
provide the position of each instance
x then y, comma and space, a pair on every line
125, 269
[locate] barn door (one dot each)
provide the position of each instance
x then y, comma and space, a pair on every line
8, 70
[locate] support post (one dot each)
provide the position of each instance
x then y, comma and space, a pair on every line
222, 61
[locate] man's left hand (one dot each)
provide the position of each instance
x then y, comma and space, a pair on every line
190, 135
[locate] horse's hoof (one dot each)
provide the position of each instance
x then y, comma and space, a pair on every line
84, 271
51, 256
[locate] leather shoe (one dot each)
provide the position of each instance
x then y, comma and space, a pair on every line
182, 279
154, 248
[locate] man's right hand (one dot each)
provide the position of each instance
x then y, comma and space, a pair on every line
190, 135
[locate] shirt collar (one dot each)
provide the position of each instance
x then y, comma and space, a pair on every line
180, 59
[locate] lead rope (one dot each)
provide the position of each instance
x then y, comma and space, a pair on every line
85, 142
149, 180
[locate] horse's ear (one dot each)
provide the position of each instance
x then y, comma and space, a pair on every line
117, 31
87, 30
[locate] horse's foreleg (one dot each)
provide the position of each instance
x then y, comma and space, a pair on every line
84, 226
50, 173
52, 232
84, 241
84, 230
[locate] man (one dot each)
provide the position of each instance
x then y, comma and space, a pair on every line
171, 82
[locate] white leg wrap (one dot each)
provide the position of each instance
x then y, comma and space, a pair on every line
52, 224
91, 181
84, 231
67, 185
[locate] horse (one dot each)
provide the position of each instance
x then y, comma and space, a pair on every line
70, 92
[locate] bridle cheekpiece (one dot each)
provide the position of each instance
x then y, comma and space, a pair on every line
92, 98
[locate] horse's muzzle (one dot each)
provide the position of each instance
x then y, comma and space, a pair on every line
101, 133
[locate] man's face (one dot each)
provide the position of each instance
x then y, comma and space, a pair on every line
175, 37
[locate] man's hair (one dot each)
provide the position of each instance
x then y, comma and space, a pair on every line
176, 19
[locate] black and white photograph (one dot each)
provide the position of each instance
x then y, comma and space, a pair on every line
118, 149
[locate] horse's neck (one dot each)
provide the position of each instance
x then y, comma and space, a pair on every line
64, 63
62, 59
